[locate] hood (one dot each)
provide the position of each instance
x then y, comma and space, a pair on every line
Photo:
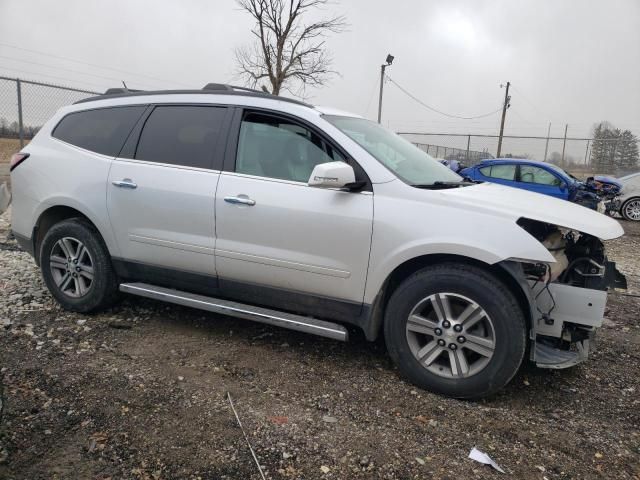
609, 180
512, 202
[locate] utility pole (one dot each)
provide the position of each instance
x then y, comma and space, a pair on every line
383, 67
504, 114
564, 142
546, 147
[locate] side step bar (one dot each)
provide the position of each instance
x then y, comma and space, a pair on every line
235, 309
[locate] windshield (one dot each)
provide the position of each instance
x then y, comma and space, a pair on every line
403, 158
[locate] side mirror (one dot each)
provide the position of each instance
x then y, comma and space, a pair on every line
332, 175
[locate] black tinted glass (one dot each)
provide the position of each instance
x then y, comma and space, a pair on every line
103, 130
181, 135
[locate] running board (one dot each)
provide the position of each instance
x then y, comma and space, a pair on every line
235, 309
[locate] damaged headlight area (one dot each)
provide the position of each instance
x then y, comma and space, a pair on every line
567, 298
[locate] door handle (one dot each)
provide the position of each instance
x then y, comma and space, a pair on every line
240, 200
125, 183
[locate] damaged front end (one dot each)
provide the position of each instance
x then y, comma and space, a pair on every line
567, 298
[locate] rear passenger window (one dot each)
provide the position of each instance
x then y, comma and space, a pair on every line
103, 130
181, 135
502, 172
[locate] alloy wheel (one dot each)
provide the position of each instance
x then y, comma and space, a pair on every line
450, 335
71, 267
632, 210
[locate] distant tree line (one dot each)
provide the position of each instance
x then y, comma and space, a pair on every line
12, 129
614, 150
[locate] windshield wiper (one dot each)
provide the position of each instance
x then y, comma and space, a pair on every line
438, 185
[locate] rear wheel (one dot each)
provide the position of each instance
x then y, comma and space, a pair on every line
630, 209
76, 266
455, 329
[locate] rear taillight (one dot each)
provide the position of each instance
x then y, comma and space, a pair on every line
17, 159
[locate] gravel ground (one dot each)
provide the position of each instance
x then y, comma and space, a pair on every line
140, 391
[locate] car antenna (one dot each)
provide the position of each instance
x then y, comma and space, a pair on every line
125, 85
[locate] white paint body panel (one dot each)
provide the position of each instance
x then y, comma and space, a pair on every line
295, 237
630, 187
168, 220
59, 174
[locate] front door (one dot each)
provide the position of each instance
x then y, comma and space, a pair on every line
275, 231
161, 200
540, 180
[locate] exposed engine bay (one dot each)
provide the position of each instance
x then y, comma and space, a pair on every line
569, 296
580, 259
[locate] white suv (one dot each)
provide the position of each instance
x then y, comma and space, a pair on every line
269, 209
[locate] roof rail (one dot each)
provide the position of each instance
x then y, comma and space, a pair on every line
209, 88
114, 91
217, 86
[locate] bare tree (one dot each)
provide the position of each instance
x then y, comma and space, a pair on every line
287, 51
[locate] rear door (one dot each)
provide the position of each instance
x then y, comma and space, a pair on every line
541, 180
161, 190
274, 231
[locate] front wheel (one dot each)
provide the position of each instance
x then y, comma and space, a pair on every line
456, 330
630, 209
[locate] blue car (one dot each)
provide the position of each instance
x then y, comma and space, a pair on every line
534, 176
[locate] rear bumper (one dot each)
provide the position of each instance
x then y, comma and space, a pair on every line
25, 243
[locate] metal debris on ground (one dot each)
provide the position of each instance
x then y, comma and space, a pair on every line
245, 436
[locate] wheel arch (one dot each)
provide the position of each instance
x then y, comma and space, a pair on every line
507, 275
53, 215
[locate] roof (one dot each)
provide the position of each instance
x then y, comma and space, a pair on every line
209, 89
515, 160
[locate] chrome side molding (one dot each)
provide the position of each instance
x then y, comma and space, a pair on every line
249, 312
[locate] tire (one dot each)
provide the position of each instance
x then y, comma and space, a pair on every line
424, 296
630, 210
101, 290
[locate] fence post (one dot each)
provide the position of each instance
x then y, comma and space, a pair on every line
21, 129
564, 143
468, 143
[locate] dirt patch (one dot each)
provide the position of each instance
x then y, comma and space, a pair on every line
139, 392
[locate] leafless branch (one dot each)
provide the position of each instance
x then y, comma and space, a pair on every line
287, 50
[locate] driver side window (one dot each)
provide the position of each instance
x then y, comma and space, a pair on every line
530, 174
275, 147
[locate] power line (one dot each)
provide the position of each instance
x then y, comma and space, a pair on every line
53, 76
90, 64
61, 68
403, 90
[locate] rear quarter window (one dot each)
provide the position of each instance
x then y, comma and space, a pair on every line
103, 130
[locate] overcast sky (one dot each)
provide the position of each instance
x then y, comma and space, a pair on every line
569, 61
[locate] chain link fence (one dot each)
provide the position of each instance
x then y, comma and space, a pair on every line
613, 156
25, 105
